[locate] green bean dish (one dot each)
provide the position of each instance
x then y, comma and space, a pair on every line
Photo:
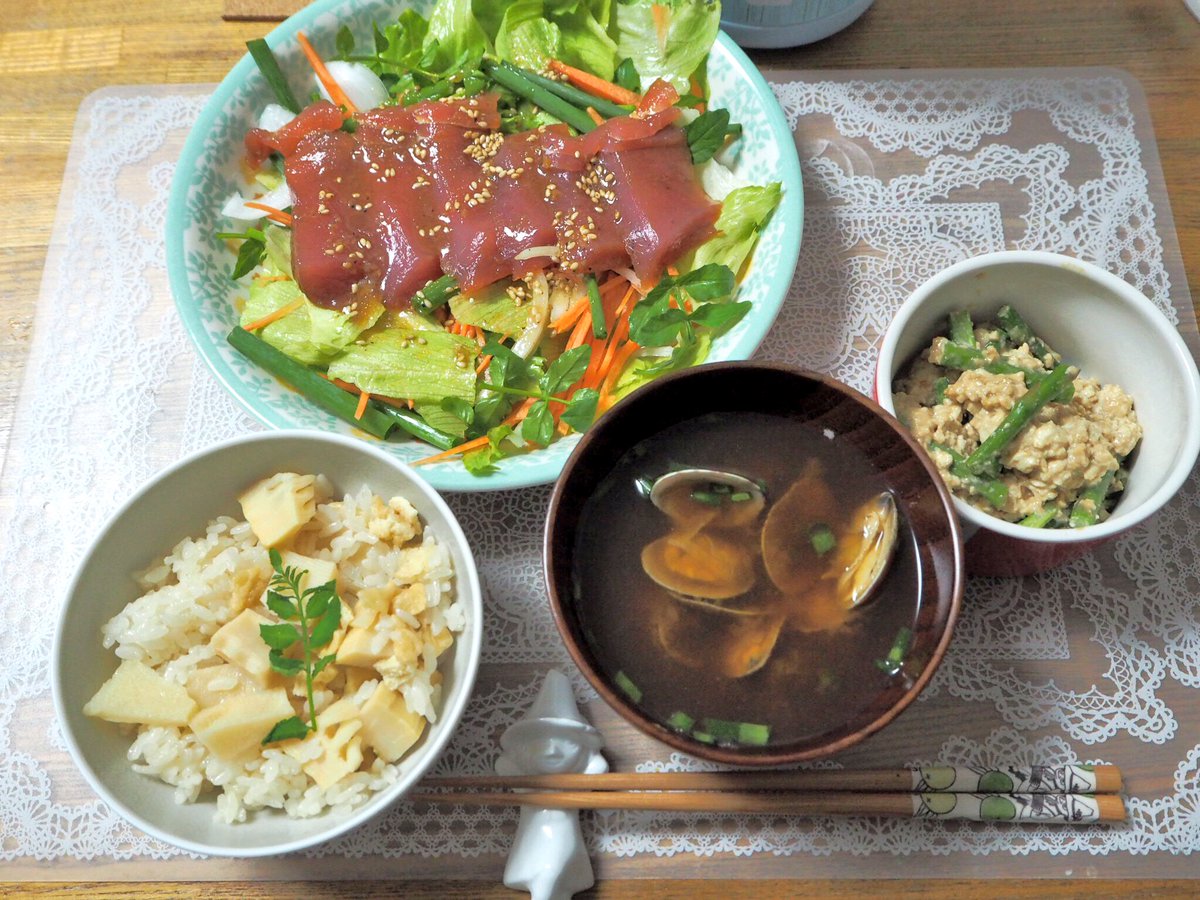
1014, 429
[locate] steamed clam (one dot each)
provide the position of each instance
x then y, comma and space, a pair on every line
788, 556
821, 563
867, 551
700, 565
800, 547
733, 646
708, 496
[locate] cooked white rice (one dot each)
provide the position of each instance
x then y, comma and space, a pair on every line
373, 542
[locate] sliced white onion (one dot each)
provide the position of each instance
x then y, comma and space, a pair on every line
628, 275
362, 86
278, 198
539, 315
718, 180
273, 117
548, 250
563, 293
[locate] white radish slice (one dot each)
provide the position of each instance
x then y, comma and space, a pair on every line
278, 198
273, 117
362, 86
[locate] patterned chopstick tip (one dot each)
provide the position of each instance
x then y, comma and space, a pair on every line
1063, 809
1070, 779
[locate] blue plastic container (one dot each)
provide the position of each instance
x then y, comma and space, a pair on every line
787, 23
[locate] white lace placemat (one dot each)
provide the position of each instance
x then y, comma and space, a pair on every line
905, 173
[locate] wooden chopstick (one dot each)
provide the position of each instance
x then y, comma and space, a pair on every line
1101, 779
1073, 809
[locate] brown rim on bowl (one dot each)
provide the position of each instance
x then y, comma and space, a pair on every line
724, 386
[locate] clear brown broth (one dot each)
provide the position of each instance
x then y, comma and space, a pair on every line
813, 682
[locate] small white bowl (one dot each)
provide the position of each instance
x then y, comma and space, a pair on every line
175, 504
1101, 324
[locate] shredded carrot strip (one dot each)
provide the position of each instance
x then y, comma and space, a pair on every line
571, 316
613, 285
484, 362
614, 373
331, 87
275, 215
672, 271
398, 402
467, 447
512, 419
595, 85
595, 116
620, 333
582, 329
662, 23
363, 399
625, 301
698, 92
276, 315
271, 279
379, 398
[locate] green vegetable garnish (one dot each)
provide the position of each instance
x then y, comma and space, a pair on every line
509, 370
267, 65
745, 212
736, 732
822, 539
755, 735
576, 97
628, 688
1088, 509
1019, 332
310, 618
993, 490
983, 459
894, 662
415, 425
250, 254
962, 330
939, 389
657, 322
1040, 519
512, 78
325, 394
627, 76
706, 134
437, 293
680, 721
599, 329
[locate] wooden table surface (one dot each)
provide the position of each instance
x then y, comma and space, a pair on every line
53, 53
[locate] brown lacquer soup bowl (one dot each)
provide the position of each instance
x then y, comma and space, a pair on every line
753, 564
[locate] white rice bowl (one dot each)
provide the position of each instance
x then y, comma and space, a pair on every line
163, 778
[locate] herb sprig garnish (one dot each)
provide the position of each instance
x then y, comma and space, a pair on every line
514, 376
316, 612
662, 317
708, 132
252, 252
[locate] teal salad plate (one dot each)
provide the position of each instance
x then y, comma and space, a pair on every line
210, 170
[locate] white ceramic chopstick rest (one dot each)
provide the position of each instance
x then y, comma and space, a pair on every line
548, 856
